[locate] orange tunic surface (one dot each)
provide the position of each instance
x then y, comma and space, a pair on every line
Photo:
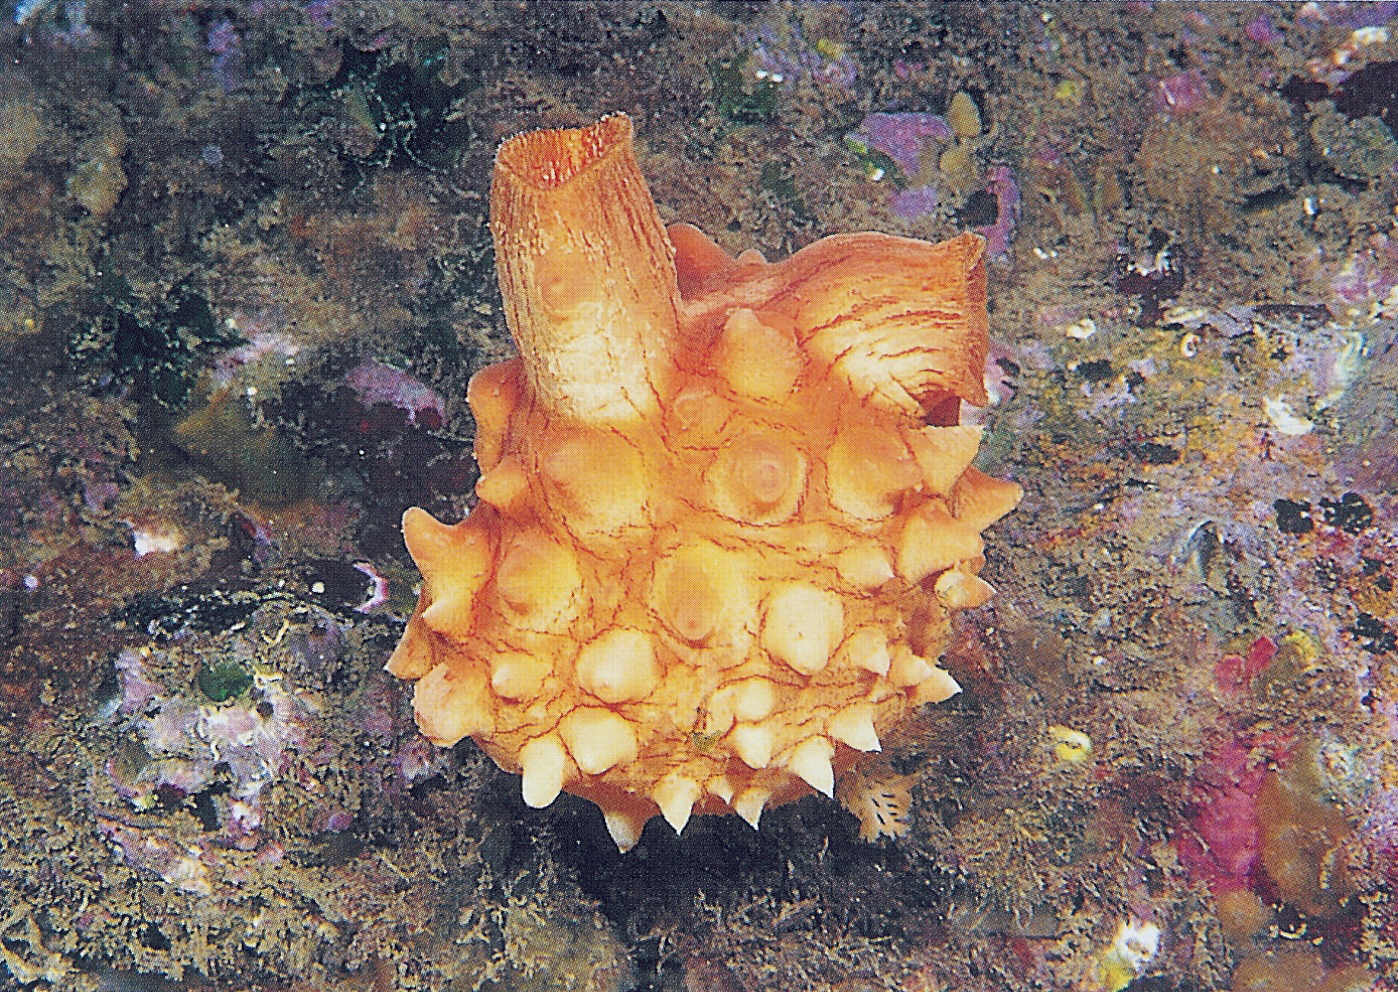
725, 506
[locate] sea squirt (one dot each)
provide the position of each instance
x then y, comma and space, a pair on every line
725, 507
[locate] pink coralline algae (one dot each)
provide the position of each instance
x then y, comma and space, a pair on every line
789, 57
914, 202
903, 69
264, 336
137, 690
176, 863
1182, 93
225, 45
1001, 184
903, 137
191, 745
321, 13
1234, 673
335, 821
1368, 275
1349, 15
375, 383
378, 588
1222, 840
1261, 30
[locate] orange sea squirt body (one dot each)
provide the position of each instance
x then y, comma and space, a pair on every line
711, 510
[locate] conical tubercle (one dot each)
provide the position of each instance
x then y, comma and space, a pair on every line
586, 271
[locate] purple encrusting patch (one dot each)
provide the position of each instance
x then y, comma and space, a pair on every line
225, 44
1001, 184
903, 136
319, 11
1182, 93
1261, 30
375, 382
378, 595
1349, 15
138, 689
914, 202
790, 57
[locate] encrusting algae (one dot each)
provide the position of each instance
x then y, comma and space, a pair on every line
726, 506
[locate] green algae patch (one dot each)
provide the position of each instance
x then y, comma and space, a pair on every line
220, 681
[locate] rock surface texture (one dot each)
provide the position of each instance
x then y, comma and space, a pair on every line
725, 509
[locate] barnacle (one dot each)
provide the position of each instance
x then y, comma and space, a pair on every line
725, 506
